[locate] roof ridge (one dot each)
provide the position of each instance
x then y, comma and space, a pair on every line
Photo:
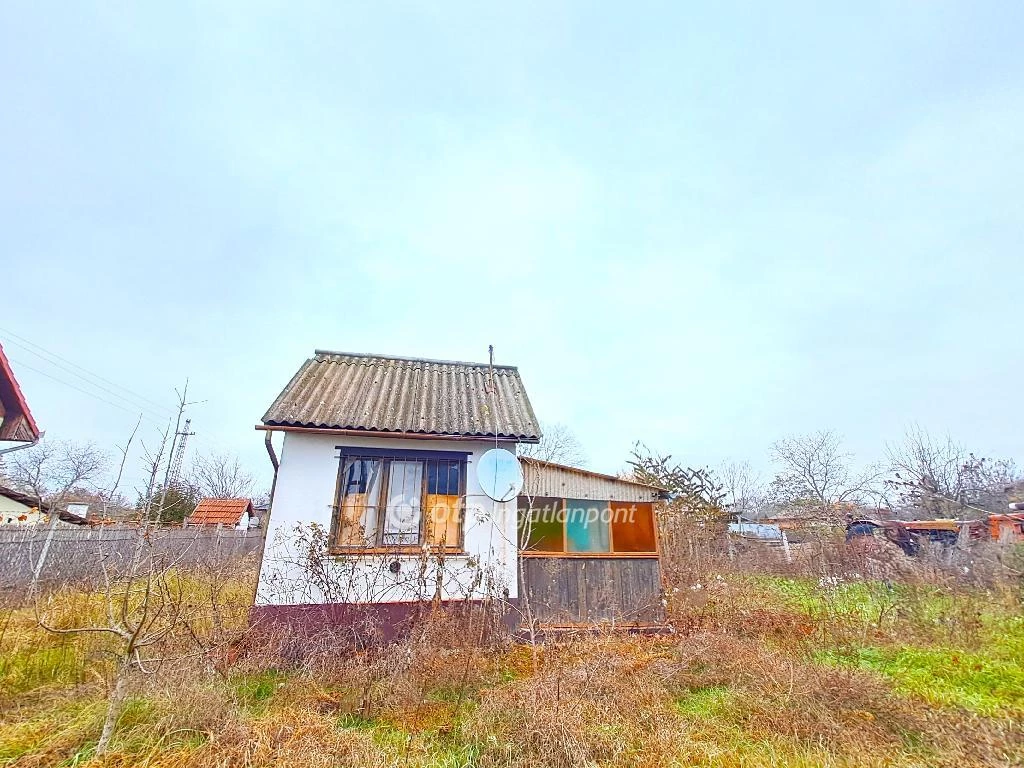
404, 359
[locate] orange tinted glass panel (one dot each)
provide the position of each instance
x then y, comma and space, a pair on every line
352, 507
443, 519
632, 526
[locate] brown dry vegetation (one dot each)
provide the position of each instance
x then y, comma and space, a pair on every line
801, 664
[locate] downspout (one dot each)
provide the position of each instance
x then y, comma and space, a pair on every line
267, 440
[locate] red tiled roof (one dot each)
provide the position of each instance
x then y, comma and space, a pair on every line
220, 511
17, 422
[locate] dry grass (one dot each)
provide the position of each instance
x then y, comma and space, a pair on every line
764, 670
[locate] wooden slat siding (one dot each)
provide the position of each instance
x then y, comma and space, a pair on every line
593, 590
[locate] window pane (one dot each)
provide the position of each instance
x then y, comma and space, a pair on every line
586, 526
432, 472
402, 515
443, 519
632, 526
360, 494
443, 476
546, 522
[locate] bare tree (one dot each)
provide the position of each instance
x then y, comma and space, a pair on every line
141, 609
559, 445
816, 472
741, 484
940, 477
220, 476
147, 610
51, 470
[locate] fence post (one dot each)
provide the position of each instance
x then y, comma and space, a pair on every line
54, 517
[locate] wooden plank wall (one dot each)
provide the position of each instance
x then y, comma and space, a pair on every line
594, 590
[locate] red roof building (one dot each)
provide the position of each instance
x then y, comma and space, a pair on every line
16, 422
235, 513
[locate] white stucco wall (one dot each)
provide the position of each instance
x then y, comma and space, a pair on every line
305, 494
10, 510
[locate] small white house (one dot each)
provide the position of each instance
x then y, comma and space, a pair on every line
376, 505
376, 498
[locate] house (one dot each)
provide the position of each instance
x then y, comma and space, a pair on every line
376, 503
20, 509
229, 513
16, 423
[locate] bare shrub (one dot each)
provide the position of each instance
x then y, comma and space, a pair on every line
589, 704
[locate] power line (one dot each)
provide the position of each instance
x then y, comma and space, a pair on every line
148, 417
134, 405
48, 354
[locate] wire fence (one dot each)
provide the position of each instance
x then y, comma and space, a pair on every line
80, 554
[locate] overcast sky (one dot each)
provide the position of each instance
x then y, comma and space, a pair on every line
706, 229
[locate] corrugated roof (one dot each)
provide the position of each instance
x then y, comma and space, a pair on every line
219, 511
546, 478
381, 393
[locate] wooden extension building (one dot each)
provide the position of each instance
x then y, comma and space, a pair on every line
589, 551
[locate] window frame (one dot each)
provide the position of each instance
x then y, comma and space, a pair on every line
386, 456
612, 554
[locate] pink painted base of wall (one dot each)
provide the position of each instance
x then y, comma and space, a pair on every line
366, 624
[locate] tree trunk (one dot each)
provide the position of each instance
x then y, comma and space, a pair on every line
114, 706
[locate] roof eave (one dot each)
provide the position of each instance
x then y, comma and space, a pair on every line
397, 435
19, 400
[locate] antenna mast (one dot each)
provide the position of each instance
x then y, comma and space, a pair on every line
179, 453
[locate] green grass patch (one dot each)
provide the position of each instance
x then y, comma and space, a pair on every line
29, 668
712, 702
390, 738
56, 732
942, 676
357, 722
856, 599
255, 691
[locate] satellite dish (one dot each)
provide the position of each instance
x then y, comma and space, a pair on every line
499, 474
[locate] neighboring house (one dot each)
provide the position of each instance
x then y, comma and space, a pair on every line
376, 501
229, 513
16, 422
19, 508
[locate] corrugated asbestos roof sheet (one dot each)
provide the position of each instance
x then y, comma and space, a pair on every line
377, 393
545, 478
219, 511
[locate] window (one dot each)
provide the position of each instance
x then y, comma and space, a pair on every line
586, 526
399, 499
551, 526
546, 532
